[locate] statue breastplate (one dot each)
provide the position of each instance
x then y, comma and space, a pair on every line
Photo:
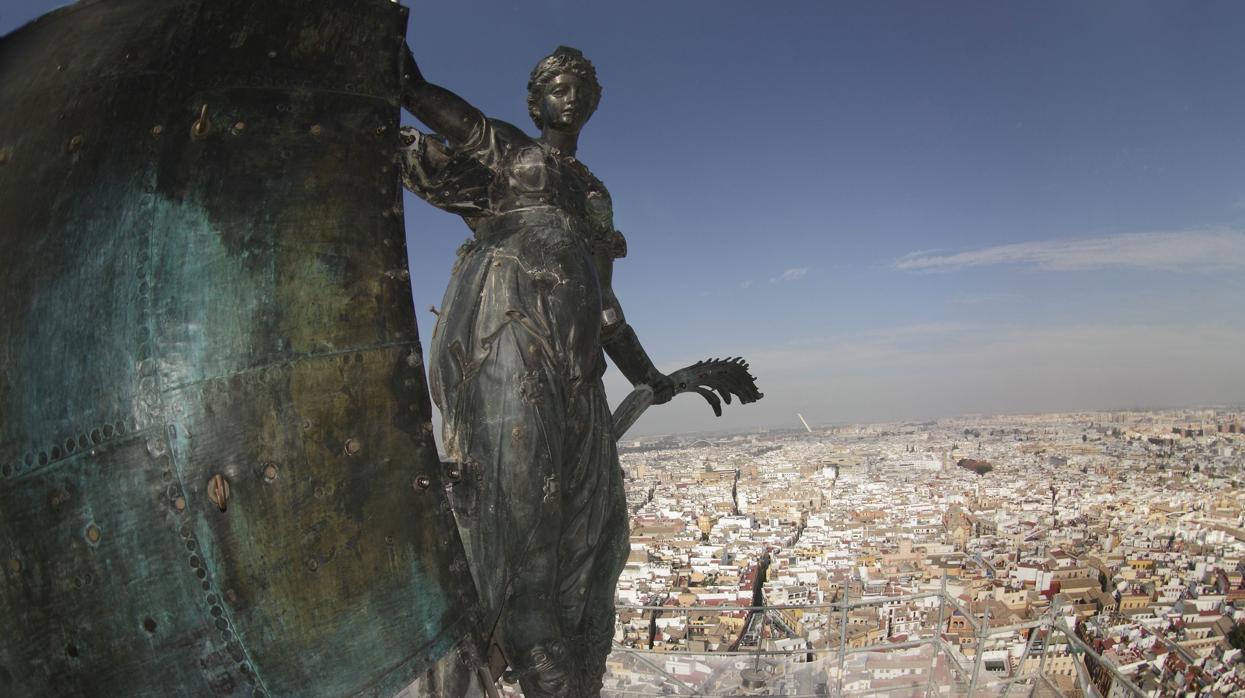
535, 175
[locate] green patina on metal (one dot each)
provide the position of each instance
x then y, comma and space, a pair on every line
217, 473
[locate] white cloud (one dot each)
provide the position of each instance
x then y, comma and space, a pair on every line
746, 284
794, 274
977, 299
1189, 250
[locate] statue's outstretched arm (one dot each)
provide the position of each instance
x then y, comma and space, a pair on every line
624, 348
730, 377
443, 111
621, 343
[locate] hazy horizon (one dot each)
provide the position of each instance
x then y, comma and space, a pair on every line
796, 426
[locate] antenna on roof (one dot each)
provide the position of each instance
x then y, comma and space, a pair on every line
806, 426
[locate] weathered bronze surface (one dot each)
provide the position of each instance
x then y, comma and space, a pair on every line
729, 377
217, 472
516, 364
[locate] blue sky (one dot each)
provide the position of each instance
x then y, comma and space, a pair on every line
895, 210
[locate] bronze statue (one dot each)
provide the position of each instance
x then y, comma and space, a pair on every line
516, 366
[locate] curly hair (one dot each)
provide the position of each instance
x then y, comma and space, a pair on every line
564, 59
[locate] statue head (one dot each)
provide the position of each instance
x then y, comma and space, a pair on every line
563, 61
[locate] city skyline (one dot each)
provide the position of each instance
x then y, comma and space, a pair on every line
1049, 552
899, 211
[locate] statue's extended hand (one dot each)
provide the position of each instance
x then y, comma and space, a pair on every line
729, 377
663, 388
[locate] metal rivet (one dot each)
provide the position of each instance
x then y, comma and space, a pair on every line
75, 143
199, 129
352, 447
422, 483
270, 472
93, 533
380, 130
157, 130
454, 474
218, 491
313, 565
315, 130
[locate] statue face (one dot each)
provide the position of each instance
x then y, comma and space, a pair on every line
564, 105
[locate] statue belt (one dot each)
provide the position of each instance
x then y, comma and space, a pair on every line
496, 228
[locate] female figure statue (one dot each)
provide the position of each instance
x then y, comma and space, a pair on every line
516, 364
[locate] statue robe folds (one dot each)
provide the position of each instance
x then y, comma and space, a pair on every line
516, 365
